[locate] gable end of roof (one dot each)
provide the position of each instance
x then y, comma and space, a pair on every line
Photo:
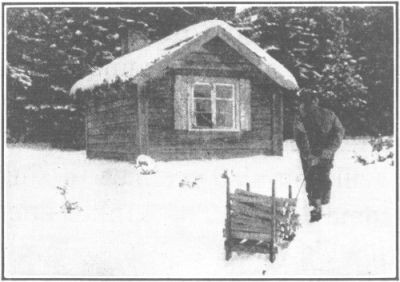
150, 61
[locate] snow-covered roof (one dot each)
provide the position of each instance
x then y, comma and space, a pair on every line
148, 61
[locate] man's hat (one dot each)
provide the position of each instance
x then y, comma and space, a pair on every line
307, 94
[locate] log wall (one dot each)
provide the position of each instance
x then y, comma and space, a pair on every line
111, 125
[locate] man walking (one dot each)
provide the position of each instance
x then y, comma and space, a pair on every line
318, 133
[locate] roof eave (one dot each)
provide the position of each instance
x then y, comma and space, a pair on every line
281, 76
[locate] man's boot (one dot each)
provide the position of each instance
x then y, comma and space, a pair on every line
316, 213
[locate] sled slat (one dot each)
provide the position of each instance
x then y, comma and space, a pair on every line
248, 221
254, 212
249, 235
251, 249
252, 229
272, 255
261, 201
250, 200
227, 233
241, 209
265, 199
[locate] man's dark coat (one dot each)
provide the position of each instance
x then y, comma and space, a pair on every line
318, 133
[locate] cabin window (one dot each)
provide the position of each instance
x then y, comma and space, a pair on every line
204, 103
213, 106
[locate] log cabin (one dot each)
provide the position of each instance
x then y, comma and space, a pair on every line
206, 91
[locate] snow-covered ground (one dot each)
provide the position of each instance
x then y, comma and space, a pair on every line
140, 226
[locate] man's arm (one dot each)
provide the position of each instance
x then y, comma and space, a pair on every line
300, 136
336, 137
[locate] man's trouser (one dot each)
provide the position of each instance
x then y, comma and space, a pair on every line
318, 182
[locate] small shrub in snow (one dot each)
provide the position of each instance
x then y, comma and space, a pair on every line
68, 206
189, 183
145, 165
382, 151
381, 143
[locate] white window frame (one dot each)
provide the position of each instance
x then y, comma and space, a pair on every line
214, 98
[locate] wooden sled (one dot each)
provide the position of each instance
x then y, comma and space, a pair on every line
252, 221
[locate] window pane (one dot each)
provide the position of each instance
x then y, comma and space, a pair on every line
224, 91
224, 113
203, 120
202, 90
224, 106
203, 105
224, 120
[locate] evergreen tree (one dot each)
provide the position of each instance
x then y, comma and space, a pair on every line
345, 53
49, 49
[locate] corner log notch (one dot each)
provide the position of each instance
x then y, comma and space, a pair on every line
142, 118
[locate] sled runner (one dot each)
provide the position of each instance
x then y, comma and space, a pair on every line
257, 223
